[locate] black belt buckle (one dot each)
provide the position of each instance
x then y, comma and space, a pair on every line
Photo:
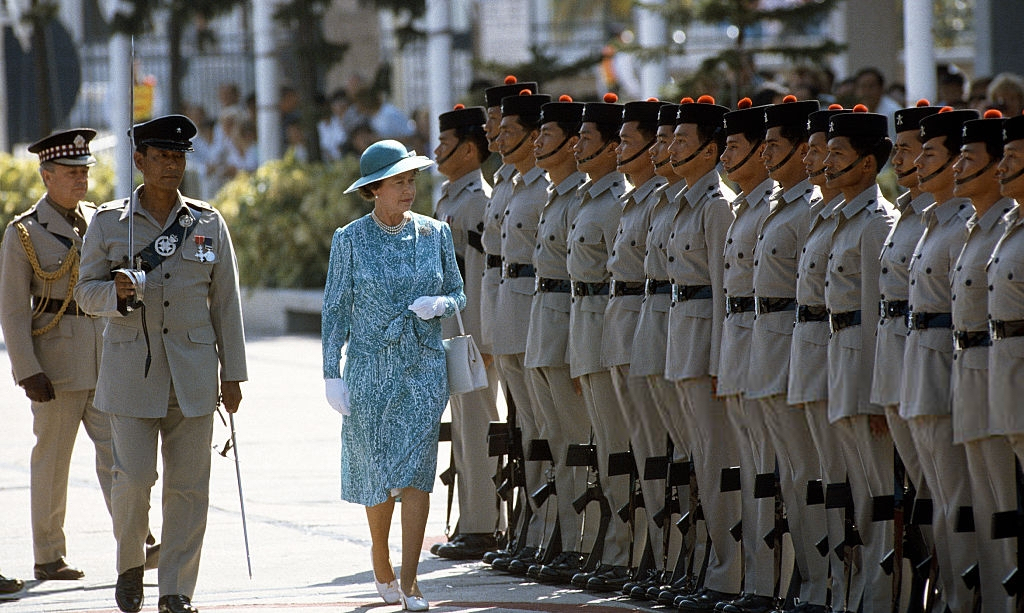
514, 270
657, 286
773, 305
626, 288
741, 304
888, 309
846, 319
807, 312
493, 261
552, 285
923, 321
966, 339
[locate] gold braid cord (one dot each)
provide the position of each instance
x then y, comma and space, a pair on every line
68, 268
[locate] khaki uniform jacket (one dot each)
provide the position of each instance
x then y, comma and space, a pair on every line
779, 242
851, 284
518, 237
490, 238
192, 309
972, 418
547, 342
894, 284
626, 264
694, 254
591, 234
808, 358
69, 354
929, 353
651, 336
462, 207
738, 280
1006, 303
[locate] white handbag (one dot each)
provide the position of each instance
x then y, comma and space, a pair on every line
466, 372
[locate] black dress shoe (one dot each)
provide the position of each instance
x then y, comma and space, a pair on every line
520, 564
704, 601
491, 556
467, 547
562, 568
580, 579
176, 603
58, 570
129, 592
641, 582
749, 603
610, 580
9, 585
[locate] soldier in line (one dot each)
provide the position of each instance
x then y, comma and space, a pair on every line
167, 362
10, 585
558, 397
925, 394
858, 147
779, 242
990, 460
54, 346
741, 161
462, 147
591, 234
694, 255
517, 131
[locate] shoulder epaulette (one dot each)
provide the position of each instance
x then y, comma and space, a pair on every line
113, 205
197, 204
31, 213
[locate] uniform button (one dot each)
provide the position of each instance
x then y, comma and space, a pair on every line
572, 227
959, 267
502, 235
967, 282
687, 246
913, 282
551, 238
581, 239
996, 260
830, 256
812, 265
729, 241
671, 258
954, 297
167, 303
760, 237
165, 330
519, 225
826, 283
885, 270
903, 260
891, 243
167, 275
1010, 276
673, 235
804, 250
773, 252
755, 262
568, 251
739, 255
632, 243
613, 252
839, 269
661, 245
727, 266
990, 288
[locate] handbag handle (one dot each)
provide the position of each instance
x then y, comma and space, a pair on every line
458, 316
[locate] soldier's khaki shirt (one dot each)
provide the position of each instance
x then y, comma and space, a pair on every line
694, 255
494, 212
547, 342
589, 244
851, 284
779, 242
894, 284
1005, 272
738, 278
928, 354
626, 264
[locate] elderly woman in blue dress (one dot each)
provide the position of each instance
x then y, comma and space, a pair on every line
392, 276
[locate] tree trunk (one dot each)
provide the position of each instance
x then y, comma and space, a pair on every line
177, 68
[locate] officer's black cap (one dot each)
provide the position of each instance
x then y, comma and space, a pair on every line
859, 124
606, 113
818, 120
170, 132
562, 111
988, 130
524, 104
744, 119
703, 112
909, 119
512, 87
1013, 129
949, 124
67, 147
462, 116
667, 114
644, 112
791, 112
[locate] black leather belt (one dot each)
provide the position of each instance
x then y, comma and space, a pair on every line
838, 321
682, 293
741, 304
512, 270
1005, 329
493, 261
657, 286
773, 305
965, 339
889, 309
53, 306
923, 321
553, 285
626, 288
808, 312
582, 288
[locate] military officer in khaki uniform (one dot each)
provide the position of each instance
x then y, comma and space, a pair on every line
166, 364
858, 146
989, 458
591, 234
53, 345
745, 131
1006, 298
925, 395
565, 419
462, 147
780, 240
693, 253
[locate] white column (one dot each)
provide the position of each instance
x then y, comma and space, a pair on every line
651, 32
439, 62
919, 50
119, 99
268, 118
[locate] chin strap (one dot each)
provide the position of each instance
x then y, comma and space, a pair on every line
690, 157
645, 149
832, 176
949, 162
596, 153
904, 175
785, 159
556, 149
450, 153
518, 145
750, 154
1012, 177
992, 162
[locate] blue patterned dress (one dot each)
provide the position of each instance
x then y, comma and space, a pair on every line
395, 364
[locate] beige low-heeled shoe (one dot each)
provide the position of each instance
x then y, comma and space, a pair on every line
390, 592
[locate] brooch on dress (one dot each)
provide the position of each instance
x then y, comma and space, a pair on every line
424, 230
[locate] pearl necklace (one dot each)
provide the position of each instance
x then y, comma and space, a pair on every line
392, 230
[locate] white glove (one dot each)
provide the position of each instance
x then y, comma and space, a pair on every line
428, 307
337, 395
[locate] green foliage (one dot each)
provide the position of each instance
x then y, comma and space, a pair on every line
542, 67
283, 216
21, 185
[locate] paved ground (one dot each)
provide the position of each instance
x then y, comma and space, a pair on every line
310, 551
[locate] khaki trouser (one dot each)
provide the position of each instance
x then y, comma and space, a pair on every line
472, 414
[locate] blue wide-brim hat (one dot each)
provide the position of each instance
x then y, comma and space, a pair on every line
386, 158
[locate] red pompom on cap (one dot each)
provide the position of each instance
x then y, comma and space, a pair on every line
525, 92
565, 98
860, 108
686, 100
992, 114
511, 80
946, 109
744, 103
706, 99
458, 107
923, 102
835, 107
653, 99
610, 98
789, 98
